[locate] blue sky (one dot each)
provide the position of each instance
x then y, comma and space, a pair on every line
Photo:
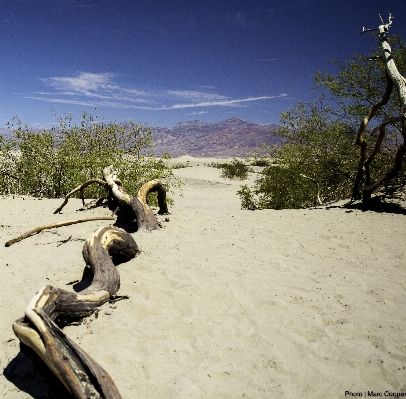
161, 62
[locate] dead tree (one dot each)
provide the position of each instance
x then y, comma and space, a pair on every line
134, 208
363, 180
51, 308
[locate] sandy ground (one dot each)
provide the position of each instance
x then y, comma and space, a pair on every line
223, 303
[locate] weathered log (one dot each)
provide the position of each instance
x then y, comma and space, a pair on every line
51, 308
81, 188
145, 218
135, 206
51, 226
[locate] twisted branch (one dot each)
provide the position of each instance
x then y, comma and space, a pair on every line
51, 308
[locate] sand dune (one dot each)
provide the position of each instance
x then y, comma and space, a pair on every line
223, 303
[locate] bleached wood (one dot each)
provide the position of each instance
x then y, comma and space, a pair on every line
53, 225
52, 308
393, 78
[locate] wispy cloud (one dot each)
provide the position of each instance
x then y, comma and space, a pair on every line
195, 95
101, 90
225, 103
198, 113
237, 20
84, 82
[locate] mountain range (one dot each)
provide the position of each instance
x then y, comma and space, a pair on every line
232, 137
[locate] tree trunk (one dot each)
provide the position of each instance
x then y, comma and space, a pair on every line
393, 77
133, 208
145, 218
52, 308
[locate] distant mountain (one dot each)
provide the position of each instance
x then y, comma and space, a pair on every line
233, 137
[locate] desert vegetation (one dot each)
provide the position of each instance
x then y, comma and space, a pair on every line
349, 142
51, 162
235, 169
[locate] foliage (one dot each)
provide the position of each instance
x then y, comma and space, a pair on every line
260, 157
260, 162
360, 83
50, 163
234, 170
181, 165
318, 161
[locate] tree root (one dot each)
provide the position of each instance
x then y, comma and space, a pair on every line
145, 218
52, 308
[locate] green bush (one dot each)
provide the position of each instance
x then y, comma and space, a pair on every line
51, 163
280, 188
260, 162
318, 161
317, 164
234, 170
181, 165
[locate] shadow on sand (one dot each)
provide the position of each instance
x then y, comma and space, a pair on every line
379, 204
27, 371
31, 375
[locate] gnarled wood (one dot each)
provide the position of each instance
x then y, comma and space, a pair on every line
360, 136
53, 307
137, 206
81, 188
145, 218
51, 226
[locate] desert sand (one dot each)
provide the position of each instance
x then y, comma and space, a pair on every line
223, 302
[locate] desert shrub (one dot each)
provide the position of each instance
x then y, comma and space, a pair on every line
319, 159
279, 188
260, 162
181, 165
236, 169
317, 164
50, 163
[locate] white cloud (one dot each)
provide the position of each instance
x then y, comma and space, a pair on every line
225, 103
100, 90
195, 95
199, 113
85, 82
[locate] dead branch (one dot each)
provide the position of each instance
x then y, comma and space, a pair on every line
51, 308
80, 188
138, 206
52, 225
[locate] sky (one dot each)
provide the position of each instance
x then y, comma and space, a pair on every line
161, 62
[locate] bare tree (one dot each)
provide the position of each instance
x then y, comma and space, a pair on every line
363, 180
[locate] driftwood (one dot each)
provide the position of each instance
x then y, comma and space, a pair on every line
145, 219
134, 208
80, 189
51, 226
52, 308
